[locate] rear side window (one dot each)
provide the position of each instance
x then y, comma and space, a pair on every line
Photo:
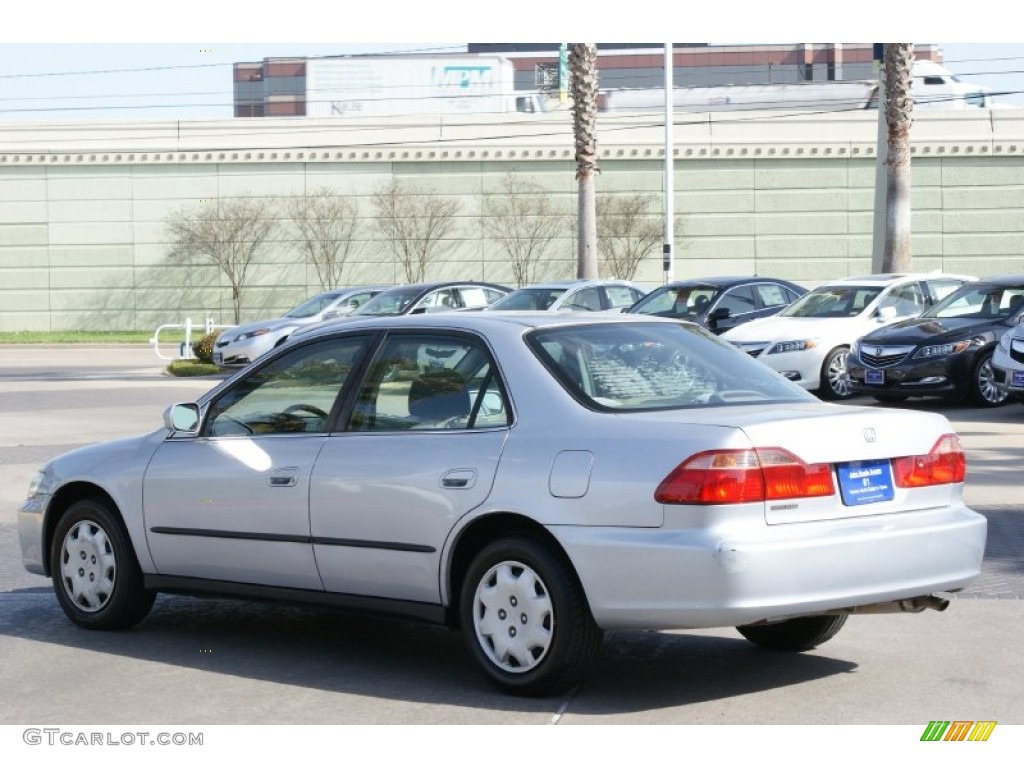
430, 382
773, 295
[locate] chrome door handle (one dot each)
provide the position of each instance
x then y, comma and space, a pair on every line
459, 478
283, 477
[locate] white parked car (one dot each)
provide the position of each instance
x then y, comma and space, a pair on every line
1008, 363
239, 345
808, 341
551, 477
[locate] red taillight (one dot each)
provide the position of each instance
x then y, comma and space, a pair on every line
739, 476
944, 464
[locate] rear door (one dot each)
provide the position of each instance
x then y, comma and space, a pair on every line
420, 449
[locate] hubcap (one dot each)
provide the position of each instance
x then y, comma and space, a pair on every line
987, 385
838, 376
513, 617
87, 566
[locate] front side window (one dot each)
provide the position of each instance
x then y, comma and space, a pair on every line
393, 302
651, 366
529, 299
907, 300
676, 301
738, 301
584, 300
294, 393
430, 382
314, 305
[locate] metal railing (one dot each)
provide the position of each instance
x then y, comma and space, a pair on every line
185, 347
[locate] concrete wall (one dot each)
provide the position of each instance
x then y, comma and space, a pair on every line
83, 207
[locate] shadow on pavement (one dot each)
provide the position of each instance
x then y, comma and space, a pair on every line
404, 661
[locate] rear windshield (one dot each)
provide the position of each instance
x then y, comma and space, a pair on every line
656, 365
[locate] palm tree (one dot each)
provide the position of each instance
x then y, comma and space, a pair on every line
898, 59
583, 79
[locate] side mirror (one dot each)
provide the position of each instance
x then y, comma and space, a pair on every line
886, 314
719, 313
182, 417
331, 315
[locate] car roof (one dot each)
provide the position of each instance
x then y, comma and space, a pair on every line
726, 281
582, 282
481, 321
429, 286
884, 279
1003, 280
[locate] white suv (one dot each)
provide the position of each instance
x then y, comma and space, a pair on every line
809, 340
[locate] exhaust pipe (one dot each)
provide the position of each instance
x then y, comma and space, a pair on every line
910, 605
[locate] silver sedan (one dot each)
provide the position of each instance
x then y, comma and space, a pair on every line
531, 478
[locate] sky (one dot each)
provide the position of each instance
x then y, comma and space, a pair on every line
65, 61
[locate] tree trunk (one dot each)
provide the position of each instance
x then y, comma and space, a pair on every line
899, 113
583, 70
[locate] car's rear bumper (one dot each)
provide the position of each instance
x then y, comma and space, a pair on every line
664, 579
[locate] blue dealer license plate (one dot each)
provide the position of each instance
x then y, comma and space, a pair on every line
1018, 379
874, 377
865, 482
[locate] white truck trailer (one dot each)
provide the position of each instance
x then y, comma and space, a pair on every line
375, 86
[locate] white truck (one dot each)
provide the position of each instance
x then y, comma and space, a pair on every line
375, 86
934, 87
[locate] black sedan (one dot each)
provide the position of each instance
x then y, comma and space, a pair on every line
945, 352
719, 303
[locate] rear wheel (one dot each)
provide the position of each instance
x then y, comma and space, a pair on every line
795, 634
96, 575
984, 391
835, 377
525, 619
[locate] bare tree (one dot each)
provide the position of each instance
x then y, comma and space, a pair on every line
628, 232
523, 220
228, 234
415, 225
326, 225
898, 59
583, 86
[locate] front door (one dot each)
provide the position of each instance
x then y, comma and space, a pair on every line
232, 503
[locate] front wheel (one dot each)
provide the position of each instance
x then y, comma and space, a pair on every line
835, 377
525, 619
984, 391
794, 634
96, 575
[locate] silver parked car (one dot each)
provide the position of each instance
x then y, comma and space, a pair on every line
571, 296
240, 345
544, 478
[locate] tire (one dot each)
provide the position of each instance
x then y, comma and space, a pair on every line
835, 377
795, 634
105, 589
525, 618
983, 391
890, 398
